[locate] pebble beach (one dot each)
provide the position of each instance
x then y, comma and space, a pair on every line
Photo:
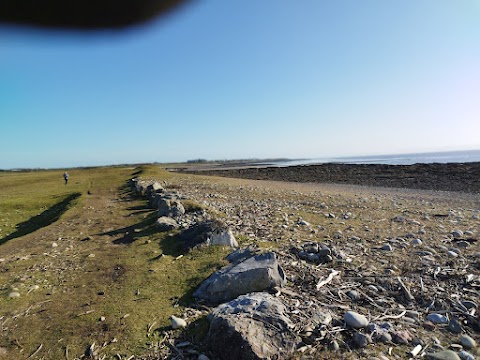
388, 254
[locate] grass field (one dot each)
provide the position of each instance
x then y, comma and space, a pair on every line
88, 265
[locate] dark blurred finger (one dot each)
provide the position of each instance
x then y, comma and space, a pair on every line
84, 14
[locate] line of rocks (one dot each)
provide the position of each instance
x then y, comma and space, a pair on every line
199, 228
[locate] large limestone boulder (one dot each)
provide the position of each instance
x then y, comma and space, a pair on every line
154, 187
210, 232
140, 187
259, 273
165, 223
170, 208
253, 326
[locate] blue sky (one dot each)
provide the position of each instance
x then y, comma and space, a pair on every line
246, 79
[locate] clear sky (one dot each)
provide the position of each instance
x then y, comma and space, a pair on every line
246, 79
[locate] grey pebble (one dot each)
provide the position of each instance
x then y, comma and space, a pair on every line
386, 325
324, 252
383, 336
361, 340
457, 234
452, 253
387, 247
415, 242
443, 355
437, 318
353, 294
468, 342
455, 326
313, 257
464, 355
355, 320
409, 320
463, 244
412, 314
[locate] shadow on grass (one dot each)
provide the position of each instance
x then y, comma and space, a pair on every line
172, 245
130, 233
46, 218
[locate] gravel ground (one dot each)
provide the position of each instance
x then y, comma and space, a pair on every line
447, 177
408, 260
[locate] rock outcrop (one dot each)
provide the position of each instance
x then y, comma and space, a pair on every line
253, 326
258, 273
211, 232
170, 208
166, 224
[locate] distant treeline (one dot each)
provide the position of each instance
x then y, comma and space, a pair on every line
196, 161
236, 161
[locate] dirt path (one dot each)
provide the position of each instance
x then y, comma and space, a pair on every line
63, 273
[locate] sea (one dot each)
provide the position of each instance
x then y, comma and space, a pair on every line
398, 159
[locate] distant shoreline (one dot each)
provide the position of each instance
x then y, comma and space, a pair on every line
462, 177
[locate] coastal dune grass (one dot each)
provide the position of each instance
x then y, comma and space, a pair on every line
93, 270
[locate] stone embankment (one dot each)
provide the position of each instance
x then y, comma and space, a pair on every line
403, 285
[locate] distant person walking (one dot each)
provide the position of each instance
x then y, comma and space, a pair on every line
65, 176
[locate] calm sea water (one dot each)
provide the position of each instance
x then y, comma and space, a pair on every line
402, 159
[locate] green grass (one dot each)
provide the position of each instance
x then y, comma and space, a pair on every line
92, 250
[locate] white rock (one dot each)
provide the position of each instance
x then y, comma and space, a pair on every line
223, 238
303, 222
33, 288
177, 322
416, 242
14, 294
